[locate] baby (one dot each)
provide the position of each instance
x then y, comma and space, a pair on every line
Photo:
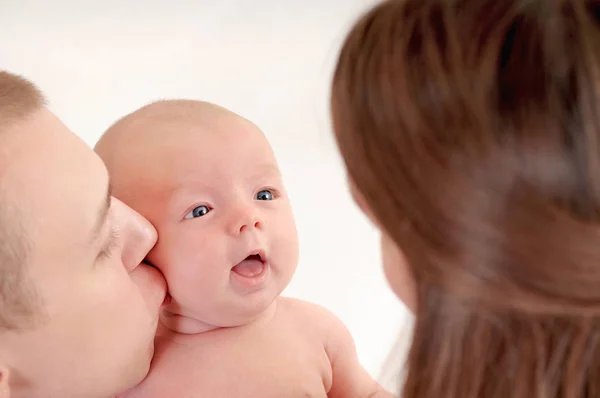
209, 182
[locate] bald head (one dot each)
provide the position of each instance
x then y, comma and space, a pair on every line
165, 117
148, 150
19, 98
181, 109
163, 121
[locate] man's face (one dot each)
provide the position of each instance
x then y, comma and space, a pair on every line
99, 308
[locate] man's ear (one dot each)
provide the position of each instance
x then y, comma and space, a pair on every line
4, 379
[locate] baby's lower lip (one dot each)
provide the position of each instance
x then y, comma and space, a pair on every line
250, 267
251, 280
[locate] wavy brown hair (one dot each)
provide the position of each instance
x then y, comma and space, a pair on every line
472, 130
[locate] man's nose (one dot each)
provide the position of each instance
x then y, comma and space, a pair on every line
138, 234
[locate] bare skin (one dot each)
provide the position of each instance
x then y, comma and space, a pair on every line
100, 305
208, 181
289, 353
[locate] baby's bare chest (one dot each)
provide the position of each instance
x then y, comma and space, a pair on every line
274, 363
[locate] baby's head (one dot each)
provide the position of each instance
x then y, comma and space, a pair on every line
209, 182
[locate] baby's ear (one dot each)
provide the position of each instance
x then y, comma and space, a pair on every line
4, 380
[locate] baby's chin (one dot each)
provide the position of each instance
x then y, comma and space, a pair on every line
219, 310
245, 310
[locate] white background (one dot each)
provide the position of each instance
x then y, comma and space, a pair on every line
271, 61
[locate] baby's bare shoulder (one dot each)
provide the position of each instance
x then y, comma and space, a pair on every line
303, 308
309, 315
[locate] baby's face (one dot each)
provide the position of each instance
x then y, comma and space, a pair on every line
227, 239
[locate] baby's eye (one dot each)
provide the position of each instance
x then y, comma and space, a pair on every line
198, 211
264, 195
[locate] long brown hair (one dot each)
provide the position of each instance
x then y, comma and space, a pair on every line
472, 130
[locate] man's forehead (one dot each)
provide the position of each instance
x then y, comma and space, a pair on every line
27, 145
59, 181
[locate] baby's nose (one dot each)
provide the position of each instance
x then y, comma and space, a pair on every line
245, 221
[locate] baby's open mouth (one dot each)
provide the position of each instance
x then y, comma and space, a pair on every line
250, 267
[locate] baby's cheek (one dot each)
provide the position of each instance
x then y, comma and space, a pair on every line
157, 257
195, 286
167, 259
284, 243
187, 269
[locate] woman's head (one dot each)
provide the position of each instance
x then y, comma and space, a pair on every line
471, 133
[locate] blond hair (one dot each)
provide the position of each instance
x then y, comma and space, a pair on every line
18, 98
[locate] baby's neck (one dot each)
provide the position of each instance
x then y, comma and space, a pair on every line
181, 324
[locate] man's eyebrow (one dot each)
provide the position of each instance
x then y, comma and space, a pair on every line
102, 214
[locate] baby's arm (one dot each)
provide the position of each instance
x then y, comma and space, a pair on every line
350, 379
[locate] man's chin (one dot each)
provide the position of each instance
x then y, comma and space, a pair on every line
144, 365
141, 371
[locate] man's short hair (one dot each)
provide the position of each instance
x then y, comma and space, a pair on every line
18, 305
